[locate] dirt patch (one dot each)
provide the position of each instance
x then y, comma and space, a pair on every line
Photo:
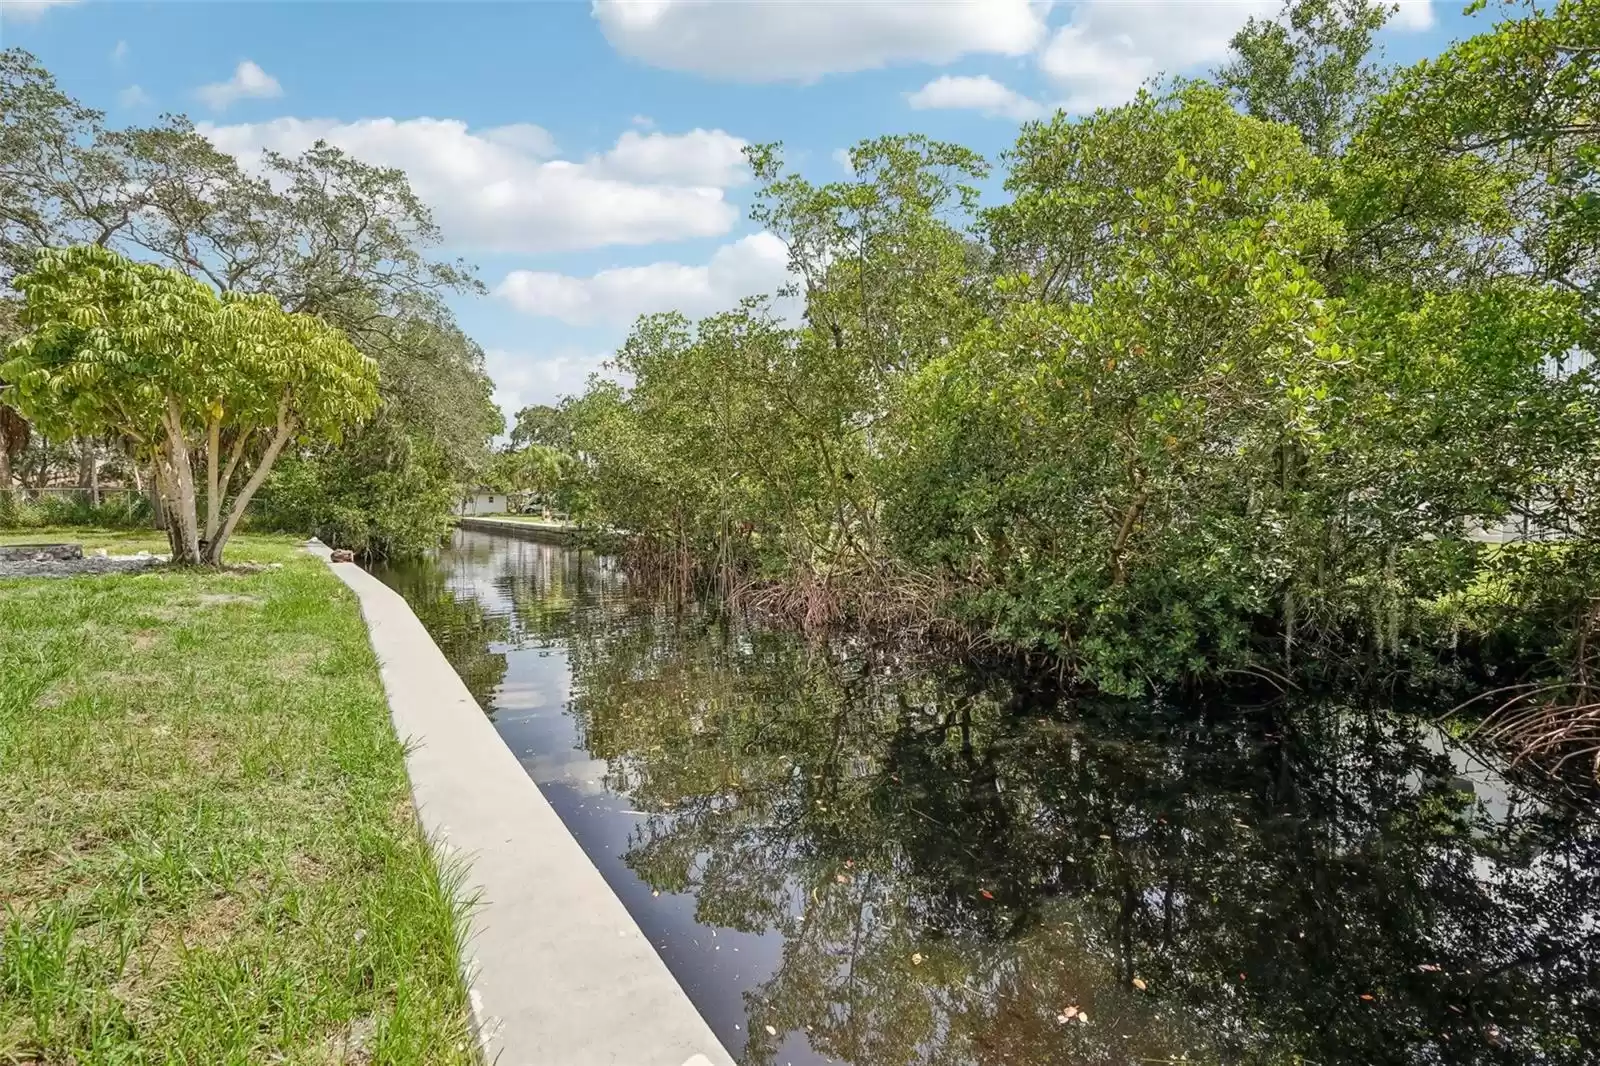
351, 1045
210, 926
217, 599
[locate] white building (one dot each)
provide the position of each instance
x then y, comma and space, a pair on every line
484, 501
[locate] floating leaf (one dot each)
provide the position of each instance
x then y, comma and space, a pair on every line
1138, 982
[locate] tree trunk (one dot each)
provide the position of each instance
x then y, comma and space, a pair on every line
14, 435
94, 478
180, 480
85, 461
160, 493
214, 545
158, 506
213, 490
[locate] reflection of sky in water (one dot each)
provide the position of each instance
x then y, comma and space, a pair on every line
890, 868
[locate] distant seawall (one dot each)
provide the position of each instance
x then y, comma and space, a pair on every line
510, 527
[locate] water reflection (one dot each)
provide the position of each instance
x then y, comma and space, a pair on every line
848, 858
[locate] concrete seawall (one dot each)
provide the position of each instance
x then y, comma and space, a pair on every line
510, 527
560, 974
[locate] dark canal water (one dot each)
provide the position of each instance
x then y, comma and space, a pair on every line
846, 859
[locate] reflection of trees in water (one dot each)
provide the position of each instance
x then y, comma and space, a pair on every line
1261, 879
458, 623
490, 591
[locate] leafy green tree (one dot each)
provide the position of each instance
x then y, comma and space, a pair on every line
60, 181
1308, 68
1103, 469
321, 232
188, 377
542, 424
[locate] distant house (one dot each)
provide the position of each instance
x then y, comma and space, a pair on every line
484, 501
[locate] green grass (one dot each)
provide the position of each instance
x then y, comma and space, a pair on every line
207, 848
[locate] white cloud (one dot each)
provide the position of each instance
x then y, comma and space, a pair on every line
800, 40
523, 378
1414, 15
524, 138
249, 81
699, 157
981, 93
119, 53
754, 265
842, 157
1109, 48
131, 97
28, 10
497, 190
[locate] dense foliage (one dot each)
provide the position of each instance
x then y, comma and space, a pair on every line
323, 235
192, 380
1237, 377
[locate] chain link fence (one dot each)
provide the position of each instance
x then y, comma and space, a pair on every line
22, 507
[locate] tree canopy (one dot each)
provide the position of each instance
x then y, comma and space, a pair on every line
163, 361
323, 234
1239, 376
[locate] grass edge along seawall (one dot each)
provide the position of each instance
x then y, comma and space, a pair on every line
208, 848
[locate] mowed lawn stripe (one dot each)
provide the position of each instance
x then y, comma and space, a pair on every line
207, 847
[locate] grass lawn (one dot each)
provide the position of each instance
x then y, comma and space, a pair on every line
207, 847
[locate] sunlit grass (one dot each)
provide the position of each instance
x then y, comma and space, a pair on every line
207, 849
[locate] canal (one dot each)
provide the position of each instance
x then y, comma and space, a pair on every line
848, 857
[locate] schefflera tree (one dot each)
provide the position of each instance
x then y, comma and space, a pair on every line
210, 388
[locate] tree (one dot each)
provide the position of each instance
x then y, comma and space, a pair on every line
321, 232
187, 377
14, 429
541, 423
1101, 462
1308, 68
60, 182
538, 469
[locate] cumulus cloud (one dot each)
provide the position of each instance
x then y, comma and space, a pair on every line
131, 97
28, 10
1109, 48
1414, 15
524, 378
249, 81
498, 189
981, 93
754, 265
699, 157
798, 40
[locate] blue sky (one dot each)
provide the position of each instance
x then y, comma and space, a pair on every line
586, 155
